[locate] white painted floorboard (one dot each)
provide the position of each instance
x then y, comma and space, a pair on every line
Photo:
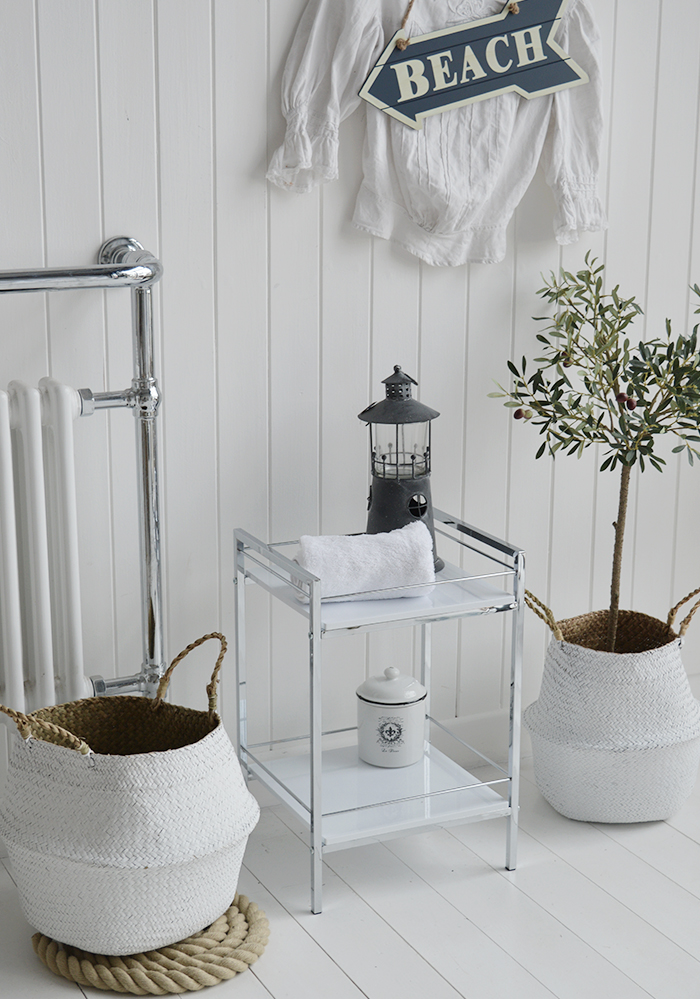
592, 912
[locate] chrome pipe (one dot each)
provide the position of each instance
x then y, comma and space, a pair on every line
516, 672
90, 401
144, 398
145, 389
117, 685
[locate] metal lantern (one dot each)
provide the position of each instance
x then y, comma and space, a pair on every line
400, 436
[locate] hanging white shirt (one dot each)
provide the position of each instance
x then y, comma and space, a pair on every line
446, 192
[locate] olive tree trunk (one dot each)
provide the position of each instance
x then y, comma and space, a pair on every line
619, 526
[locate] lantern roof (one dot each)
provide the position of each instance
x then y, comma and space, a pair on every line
398, 406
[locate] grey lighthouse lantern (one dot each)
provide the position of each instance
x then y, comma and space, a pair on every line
400, 438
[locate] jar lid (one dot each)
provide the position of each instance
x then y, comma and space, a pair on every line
392, 687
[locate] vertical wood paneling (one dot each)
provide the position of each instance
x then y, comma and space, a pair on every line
22, 318
632, 144
345, 318
667, 295
130, 208
344, 440
73, 226
605, 485
295, 255
242, 331
396, 296
443, 347
531, 482
685, 566
295, 258
631, 183
485, 460
185, 128
277, 322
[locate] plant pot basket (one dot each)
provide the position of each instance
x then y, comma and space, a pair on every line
125, 819
615, 735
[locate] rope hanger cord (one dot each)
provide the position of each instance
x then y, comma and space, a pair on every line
403, 43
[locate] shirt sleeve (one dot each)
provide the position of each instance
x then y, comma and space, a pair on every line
571, 153
335, 46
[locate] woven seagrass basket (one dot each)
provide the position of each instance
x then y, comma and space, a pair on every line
615, 735
125, 819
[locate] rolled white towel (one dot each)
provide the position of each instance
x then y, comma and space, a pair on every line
357, 563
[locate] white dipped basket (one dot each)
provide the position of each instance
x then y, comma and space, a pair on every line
125, 819
615, 735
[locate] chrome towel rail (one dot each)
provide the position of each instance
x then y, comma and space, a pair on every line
124, 263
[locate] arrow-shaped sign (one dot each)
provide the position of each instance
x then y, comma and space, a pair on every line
470, 62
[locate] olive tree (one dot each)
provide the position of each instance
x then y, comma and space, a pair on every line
594, 385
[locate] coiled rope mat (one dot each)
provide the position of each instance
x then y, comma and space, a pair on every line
221, 951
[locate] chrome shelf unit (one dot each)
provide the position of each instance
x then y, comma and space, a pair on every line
340, 800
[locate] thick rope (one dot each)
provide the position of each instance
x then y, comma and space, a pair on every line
211, 687
544, 614
225, 949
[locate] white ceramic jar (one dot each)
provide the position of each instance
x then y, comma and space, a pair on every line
391, 719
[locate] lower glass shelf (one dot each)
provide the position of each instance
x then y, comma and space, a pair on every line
362, 803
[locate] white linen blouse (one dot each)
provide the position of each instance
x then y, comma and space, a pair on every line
447, 192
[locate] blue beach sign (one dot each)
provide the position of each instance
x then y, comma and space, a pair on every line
473, 61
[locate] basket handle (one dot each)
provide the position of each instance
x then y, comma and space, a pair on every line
211, 686
25, 724
544, 613
685, 623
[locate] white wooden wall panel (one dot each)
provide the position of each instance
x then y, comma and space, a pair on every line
185, 121
129, 161
294, 420
627, 253
346, 304
441, 385
485, 451
605, 485
243, 334
344, 392
531, 482
24, 343
395, 334
276, 322
73, 226
670, 226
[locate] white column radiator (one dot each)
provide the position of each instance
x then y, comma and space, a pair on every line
41, 644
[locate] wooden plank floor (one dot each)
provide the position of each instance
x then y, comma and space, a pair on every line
592, 912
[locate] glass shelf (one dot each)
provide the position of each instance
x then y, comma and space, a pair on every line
362, 803
454, 595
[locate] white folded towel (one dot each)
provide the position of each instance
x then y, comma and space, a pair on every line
356, 563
